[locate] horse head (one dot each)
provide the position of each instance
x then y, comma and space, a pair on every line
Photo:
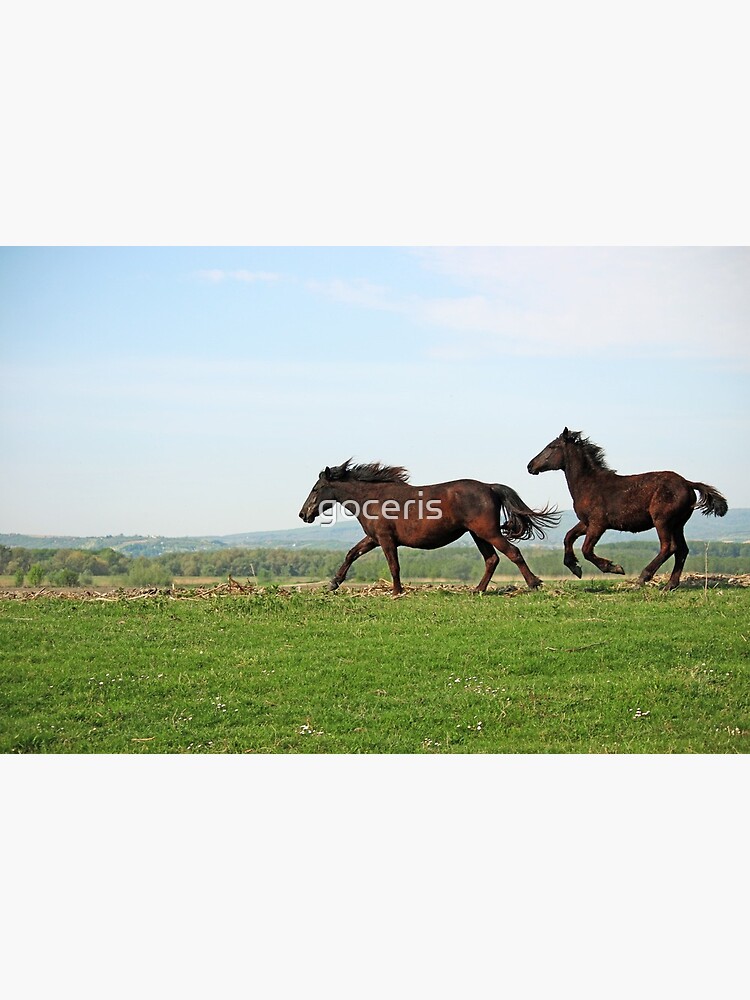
322, 494
552, 457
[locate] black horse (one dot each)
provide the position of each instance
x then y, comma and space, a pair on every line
392, 512
602, 499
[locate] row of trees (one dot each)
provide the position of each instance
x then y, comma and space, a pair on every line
452, 563
61, 567
68, 567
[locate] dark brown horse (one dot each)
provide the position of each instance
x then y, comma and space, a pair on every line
392, 512
602, 499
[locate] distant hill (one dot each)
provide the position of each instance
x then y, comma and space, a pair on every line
734, 527
130, 545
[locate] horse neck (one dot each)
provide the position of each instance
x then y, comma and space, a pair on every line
579, 471
354, 489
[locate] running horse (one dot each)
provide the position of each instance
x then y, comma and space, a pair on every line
602, 500
392, 512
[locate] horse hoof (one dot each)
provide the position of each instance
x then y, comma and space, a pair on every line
576, 571
333, 586
618, 569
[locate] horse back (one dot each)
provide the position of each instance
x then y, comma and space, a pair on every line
417, 524
635, 503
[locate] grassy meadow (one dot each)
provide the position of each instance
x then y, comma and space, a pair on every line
577, 667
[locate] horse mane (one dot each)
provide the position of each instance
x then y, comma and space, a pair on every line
371, 472
593, 454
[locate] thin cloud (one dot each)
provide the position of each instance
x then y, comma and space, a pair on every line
677, 302
216, 276
357, 293
684, 302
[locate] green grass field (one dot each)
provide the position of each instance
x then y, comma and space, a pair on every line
578, 667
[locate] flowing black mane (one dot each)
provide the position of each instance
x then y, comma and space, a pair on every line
372, 472
593, 454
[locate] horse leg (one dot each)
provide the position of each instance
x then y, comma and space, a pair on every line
680, 555
668, 546
366, 545
491, 559
569, 559
512, 552
605, 565
390, 550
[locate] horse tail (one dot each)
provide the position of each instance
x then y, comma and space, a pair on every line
711, 501
521, 522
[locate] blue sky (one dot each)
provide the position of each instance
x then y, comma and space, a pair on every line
199, 390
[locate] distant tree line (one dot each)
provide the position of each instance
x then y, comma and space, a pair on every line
60, 567
70, 567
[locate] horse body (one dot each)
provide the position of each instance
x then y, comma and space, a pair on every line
394, 512
602, 499
630, 503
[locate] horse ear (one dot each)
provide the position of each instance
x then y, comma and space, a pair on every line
565, 434
327, 472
